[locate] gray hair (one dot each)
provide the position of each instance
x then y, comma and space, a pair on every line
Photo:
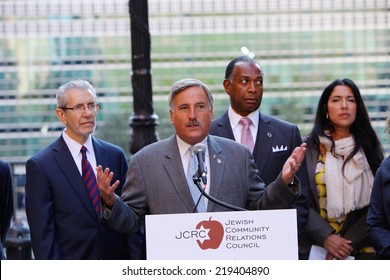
75, 84
183, 84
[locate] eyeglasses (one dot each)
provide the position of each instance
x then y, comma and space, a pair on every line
92, 107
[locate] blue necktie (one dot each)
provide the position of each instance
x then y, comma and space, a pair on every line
195, 193
90, 181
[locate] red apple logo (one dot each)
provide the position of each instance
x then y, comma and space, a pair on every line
215, 232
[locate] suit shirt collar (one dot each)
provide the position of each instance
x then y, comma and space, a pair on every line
74, 148
235, 118
185, 156
183, 146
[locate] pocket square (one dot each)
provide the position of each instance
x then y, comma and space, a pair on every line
277, 149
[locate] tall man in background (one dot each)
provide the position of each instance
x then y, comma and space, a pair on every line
269, 139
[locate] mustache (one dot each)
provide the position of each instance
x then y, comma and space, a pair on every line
192, 123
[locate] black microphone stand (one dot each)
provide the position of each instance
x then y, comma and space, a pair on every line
198, 182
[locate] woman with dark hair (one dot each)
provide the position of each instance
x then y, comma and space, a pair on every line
343, 154
378, 218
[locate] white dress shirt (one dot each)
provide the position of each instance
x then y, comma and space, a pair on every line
185, 156
235, 118
75, 147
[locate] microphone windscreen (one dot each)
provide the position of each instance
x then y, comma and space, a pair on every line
199, 147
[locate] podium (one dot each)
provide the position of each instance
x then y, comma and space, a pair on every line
241, 235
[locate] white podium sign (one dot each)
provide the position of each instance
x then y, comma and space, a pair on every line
242, 235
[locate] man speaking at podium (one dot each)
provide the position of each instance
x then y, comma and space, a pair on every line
156, 179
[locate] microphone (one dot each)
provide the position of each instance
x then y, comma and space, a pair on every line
200, 152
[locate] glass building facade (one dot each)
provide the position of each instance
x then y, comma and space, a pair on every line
302, 46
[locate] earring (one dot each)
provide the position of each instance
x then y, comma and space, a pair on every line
327, 116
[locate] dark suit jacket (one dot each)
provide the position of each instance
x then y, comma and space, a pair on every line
378, 217
63, 224
318, 229
273, 133
156, 183
6, 201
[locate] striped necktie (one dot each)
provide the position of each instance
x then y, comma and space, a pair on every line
90, 181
